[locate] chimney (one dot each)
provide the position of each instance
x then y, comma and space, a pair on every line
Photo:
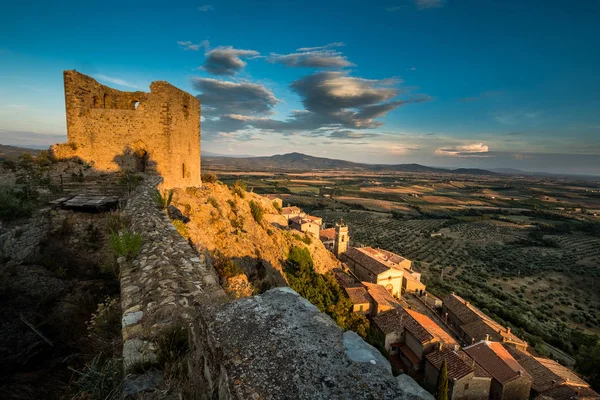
440, 346
508, 330
487, 337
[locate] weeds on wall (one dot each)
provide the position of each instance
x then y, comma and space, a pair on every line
131, 181
125, 244
117, 222
163, 201
100, 379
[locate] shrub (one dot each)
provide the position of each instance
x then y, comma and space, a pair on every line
233, 206
14, 204
209, 177
214, 202
163, 201
226, 267
257, 211
239, 188
277, 206
181, 228
126, 244
130, 180
106, 321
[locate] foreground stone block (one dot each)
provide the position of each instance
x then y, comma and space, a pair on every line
276, 346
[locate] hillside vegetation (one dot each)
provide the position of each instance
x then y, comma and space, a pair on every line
232, 225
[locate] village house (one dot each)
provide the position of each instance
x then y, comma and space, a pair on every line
368, 267
291, 212
411, 283
466, 379
307, 223
551, 380
371, 299
473, 325
408, 336
335, 239
510, 381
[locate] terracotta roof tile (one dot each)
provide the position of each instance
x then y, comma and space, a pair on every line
381, 296
565, 392
345, 280
358, 295
544, 372
459, 364
496, 360
485, 326
463, 310
373, 265
419, 325
327, 234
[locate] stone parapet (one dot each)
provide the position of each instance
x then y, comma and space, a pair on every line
19, 243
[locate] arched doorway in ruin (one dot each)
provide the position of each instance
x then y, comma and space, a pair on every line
140, 154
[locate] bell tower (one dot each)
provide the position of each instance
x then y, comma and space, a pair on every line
341, 239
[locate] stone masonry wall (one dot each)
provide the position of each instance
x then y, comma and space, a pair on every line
22, 242
272, 346
114, 130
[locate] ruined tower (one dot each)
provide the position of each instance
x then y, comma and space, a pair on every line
341, 239
133, 131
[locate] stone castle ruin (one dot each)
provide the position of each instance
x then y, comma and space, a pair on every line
133, 131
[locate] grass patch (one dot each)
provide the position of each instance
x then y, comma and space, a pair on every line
226, 267
163, 200
100, 379
127, 244
181, 228
239, 188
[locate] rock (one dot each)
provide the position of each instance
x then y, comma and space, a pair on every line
411, 388
142, 383
360, 351
269, 339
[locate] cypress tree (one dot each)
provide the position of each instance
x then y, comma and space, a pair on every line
441, 392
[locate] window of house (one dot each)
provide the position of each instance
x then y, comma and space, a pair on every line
361, 307
106, 101
183, 170
466, 386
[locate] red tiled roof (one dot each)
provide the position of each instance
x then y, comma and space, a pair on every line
362, 257
327, 234
314, 219
485, 326
358, 295
381, 296
458, 363
463, 310
431, 327
545, 373
291, 210
345, 280
496, 360
565, 392
419, 325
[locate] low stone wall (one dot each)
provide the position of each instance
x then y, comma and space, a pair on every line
164, 286
22, 242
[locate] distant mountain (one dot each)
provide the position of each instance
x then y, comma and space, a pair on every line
299, 161
11, 152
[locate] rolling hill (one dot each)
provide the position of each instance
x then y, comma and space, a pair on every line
303, 162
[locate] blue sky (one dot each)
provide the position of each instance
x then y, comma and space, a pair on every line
474, 83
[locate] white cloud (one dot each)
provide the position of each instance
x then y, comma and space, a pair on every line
318, 48
225, 60
469, 150
187, 45
206, 8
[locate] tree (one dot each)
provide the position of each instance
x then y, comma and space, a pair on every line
441, 392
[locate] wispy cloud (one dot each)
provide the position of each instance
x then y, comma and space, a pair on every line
394, 8
187, 45
206, 8
118, 81
468, 150
318, 48
425, 4
225, 60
